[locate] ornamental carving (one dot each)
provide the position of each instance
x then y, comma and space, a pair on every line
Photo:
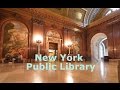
53, 34
53, 37
43, 13
46, 15
41, 22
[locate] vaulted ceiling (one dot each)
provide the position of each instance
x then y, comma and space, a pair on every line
81, 16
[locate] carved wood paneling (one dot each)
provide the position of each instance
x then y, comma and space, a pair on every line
116, 37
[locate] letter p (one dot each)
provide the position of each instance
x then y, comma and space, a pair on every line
29, 65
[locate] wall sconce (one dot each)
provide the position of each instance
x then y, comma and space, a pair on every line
69, 45
38, 43
38, 39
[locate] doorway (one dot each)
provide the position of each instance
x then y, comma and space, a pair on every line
53, 49
53, 43
99, 47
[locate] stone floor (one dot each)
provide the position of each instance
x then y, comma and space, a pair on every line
17, 73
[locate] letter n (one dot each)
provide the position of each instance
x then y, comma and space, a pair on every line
37, 57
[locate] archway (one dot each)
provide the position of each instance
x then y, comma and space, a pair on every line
99, 47
53, 43
15, 39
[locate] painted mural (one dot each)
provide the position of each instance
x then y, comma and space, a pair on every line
76, 44
15, 38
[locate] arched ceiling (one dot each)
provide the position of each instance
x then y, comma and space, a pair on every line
81, 16
76, 14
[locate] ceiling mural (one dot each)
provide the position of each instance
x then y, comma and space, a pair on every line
78, 17
81, 16
76, 14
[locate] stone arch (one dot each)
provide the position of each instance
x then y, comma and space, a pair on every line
95, 42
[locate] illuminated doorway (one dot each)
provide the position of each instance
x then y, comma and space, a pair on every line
53, 43
53, 49
99, 47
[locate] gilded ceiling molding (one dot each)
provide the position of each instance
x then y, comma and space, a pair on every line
46, 14
20, 11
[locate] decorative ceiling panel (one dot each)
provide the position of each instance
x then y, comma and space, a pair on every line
76, 14
79, 17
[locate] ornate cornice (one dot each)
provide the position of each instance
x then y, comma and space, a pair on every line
40, 22
42, 16
42, 13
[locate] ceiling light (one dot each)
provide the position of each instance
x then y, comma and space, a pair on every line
79, 15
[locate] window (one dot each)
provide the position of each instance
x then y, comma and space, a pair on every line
79, 15
111, 10
108, 12
114, 9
